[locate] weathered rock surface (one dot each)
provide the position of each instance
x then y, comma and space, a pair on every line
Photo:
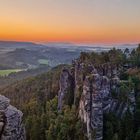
66, 92
91, 107
93, 94
11, 127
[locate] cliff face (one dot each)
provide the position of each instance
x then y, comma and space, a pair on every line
93, 94
66, 92
90, 108
11, 127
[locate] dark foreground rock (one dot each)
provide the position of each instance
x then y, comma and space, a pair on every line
11, 127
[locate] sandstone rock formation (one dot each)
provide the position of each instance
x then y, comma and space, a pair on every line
93, 94
11, 127
90, 109
65, 95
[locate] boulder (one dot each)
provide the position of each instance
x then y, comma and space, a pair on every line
11, 127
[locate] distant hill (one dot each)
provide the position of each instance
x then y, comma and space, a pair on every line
17, 76
21, 58
15, 44
27, 54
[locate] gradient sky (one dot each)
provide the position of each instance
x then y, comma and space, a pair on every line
91, 21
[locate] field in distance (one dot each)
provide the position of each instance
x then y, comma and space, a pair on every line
8, 71
43, 61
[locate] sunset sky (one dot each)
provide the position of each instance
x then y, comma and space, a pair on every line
88, 21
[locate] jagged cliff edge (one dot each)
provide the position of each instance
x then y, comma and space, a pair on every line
92, 94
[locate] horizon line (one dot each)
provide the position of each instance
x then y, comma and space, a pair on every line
71, 42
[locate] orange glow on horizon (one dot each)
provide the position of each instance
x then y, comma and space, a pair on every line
77, 21
96, 37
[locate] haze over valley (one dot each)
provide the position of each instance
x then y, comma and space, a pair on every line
19, 60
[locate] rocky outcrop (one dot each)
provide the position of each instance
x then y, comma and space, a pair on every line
90, 109
11, 127
93, 94
66, 92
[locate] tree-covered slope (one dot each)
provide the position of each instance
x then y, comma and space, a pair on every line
38, 97
22, 92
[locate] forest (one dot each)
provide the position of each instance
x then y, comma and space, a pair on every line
37, 98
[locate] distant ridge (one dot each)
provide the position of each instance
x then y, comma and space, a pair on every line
29, 44
19, 44
15, 42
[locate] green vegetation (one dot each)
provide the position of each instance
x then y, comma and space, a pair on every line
119, 129
37, 98
43, 61
8, 71
50, 124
